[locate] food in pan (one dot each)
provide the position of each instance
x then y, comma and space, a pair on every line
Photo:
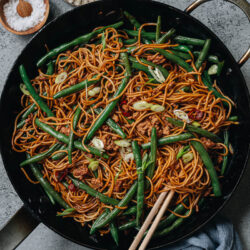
120, 116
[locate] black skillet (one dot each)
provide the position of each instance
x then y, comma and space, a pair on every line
80, 21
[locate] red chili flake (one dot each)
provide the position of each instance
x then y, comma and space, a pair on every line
126, 114
124, 102
72, 187
195, 114
60, 175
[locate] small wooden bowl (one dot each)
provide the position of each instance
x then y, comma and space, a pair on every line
26, 32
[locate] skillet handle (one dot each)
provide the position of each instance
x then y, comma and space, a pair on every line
17, 229
242, 4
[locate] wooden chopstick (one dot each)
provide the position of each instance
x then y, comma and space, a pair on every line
148, 220
157, 220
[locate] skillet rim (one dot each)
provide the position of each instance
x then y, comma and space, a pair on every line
204, 27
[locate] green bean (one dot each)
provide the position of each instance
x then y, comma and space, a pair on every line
182, 55
208, 82
138, 66
33, 93
41, 156
130, 41
103, 198
189, 40
225, 157
110, 107
233, 118
175, 59
65, 139
80, 40
220, 67
140, 187
147, 35
124, 58
166, 36
167, 230
50, 69
114, 232
210, 58
46, 185
20, 124
129, 195
182, 152
128, 225
75, 88
181, 48
30, 110
66, 212
100, 218
158, 28
168, 140
50, 197
103, 41
203, 54
60, 155
194, 129
132, 20
71, 135
209, 165
112, 124
131, 210
163, 70
153, 152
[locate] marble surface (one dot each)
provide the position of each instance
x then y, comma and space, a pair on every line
228, 22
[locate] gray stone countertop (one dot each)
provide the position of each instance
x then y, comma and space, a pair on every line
231, 26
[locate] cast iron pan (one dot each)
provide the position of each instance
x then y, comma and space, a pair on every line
82, 20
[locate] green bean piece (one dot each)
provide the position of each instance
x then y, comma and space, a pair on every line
166, 36
65, 139
50, 68
50, 197
127, 198
233, 118
103, 198
71, 135
40, 156
103, 41
30, 110
210, 58
208, 82
20, 124
181, 48
194, 129
202, 57
33, 93
100, 218
225, 157
175, 59
164, 72
189, 40
114, 232
169, 229
144, 34
158, 28
66, 212
153, 153
60, 155
77, 41
75, 88
220, 67
209, 165
46, 185
182, 151
182, 55
124, 58
169, 139
131, 210
128, 225
132, 20
130, 41
112, 124
110, 107
140, 187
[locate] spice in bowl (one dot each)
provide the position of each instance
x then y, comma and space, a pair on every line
19, 23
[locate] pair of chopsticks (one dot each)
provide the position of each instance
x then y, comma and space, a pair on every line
164, 205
